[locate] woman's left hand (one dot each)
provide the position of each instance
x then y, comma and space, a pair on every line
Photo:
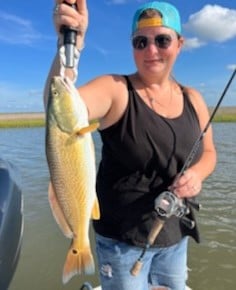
64, 14
187, 185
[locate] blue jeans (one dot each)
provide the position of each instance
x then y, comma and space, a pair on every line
161, 266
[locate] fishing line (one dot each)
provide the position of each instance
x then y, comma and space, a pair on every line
168, 204
199, 139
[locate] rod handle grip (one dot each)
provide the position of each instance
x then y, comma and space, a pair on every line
136, 268
155, 230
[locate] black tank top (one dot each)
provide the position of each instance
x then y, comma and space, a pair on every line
141, 155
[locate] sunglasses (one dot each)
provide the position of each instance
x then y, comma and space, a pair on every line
162, 41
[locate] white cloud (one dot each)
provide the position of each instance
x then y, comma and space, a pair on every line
16, 30
213, 23
192, 43
101, 50
231, 66
14, 98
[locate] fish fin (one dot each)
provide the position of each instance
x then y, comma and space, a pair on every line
58, 213
96, 210
90, 128
78, 262
71, 140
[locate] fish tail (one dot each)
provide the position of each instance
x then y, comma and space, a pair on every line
78, 262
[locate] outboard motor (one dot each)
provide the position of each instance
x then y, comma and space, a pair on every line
11, 222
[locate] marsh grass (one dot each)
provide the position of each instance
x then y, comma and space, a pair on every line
224, 114
225, 118
26, 123
227, 114
22, 123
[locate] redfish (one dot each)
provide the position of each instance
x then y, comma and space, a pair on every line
71, 161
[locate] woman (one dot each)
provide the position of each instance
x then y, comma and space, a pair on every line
148, 125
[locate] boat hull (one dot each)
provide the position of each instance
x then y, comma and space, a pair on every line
11, 222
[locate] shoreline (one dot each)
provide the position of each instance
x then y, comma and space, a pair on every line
22, 116
37, 119
22, 120
227, 110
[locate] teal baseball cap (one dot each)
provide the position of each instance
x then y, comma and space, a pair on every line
169, 15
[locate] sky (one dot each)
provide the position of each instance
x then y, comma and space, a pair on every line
28, 45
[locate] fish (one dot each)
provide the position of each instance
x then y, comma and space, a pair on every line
70, 156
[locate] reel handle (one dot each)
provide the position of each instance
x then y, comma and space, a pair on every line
194, 204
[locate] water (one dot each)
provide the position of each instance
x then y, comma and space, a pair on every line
44, 248
213, 263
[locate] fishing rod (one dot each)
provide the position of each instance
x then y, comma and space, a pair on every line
70, 35
167, 204
199, 139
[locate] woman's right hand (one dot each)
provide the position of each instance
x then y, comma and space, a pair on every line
64, 14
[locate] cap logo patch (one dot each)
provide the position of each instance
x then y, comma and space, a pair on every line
150, 22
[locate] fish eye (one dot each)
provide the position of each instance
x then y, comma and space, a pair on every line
55, 93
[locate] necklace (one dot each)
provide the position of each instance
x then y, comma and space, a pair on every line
153, 100
165, 100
